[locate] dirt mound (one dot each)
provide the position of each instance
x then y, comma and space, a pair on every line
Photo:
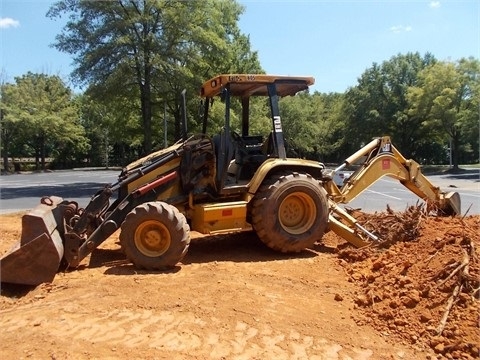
422, 282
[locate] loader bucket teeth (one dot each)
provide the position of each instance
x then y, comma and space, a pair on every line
35, 259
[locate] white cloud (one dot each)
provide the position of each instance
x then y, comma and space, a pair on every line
400, 29
6, 23
434, 4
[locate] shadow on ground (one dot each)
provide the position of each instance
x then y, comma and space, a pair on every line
241, 247
454, 174
463, 174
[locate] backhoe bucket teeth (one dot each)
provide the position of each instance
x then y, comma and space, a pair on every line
35, 259
452, 204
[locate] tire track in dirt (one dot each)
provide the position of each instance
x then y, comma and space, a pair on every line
180, 333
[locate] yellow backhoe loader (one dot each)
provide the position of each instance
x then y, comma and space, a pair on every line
214, 183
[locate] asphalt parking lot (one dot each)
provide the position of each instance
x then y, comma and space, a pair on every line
19, 192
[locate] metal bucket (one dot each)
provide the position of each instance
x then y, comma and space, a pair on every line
35, 259
452, 205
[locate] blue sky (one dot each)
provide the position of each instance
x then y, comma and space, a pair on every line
334, 41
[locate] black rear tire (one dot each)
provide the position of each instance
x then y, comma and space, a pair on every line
155, 236
290, 212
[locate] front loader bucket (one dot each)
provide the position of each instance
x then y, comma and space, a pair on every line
35, 259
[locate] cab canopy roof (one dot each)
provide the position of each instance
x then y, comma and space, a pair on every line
246, 85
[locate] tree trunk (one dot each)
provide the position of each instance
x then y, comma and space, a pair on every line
38, 151
455, 146
6, 145
37, 159
43, 152
5, 160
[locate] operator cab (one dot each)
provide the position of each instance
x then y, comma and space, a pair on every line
238, 156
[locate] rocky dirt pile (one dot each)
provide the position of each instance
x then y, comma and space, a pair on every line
421, 283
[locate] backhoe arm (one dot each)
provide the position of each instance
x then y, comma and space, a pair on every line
380, 158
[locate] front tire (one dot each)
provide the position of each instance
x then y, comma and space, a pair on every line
290, 212
155, 236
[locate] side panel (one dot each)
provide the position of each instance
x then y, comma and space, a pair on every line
216, 218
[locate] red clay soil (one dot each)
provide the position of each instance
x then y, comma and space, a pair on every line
413, 296
421, 285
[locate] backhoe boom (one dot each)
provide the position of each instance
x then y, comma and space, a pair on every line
381, 158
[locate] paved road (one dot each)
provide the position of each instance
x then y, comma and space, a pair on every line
23, 191
391, 192
19, 192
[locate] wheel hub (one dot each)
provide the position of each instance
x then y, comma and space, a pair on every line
297, 213
152, 238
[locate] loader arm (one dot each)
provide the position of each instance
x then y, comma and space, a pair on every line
77, 248
380, 158
138, 184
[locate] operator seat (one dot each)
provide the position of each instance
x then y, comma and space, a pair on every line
248, 156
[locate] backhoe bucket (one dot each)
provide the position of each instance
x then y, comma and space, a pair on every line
35, 259
452, 204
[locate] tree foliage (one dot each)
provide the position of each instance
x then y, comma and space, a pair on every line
40, 116
378, 105
447, 99
425, 105
312, 125
147, 51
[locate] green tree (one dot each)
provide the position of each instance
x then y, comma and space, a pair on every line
111, 126
330, 140
447, 99
378, 105
152, 49
313, 125
8, 125
40, 112
299, 124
